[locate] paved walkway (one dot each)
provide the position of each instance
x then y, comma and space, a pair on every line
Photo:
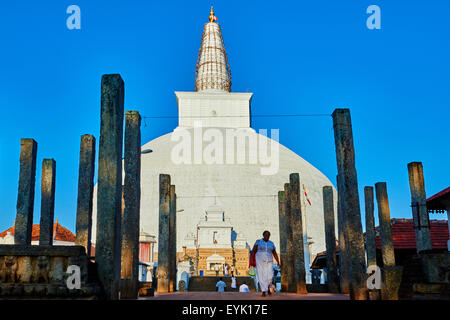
203, 295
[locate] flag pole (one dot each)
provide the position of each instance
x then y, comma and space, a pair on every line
305, 231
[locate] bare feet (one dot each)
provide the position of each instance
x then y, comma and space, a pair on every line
264, 294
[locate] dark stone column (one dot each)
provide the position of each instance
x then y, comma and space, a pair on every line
419, 206
47, 202
132, 199
283, 240
25, 196
345, 157
173, 240
387, 247
370, 227
330, 239
370, 236
297, 233
164, 234
290, 274
391, 275
109, 192
86, 173
343, 257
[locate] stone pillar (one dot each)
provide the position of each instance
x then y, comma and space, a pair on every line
283, 240
25, 196
109, 192
345, 157
290, 270
47, 202
330, 239
164, 234
370, 227
297, 233
173, 240
419, 206
86, 173
132, 198
371, 236
343, 258
387, 247
391, 275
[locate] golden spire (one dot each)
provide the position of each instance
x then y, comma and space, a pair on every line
212, 71
211, 15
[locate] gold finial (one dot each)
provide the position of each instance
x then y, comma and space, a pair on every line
212, 17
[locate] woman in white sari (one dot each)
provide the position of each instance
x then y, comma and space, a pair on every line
263, 250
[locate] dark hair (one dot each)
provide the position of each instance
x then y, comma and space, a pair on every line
220, 278
265, 232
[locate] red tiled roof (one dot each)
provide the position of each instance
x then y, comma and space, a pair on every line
437, 202
404, 236
439, 194
60, 233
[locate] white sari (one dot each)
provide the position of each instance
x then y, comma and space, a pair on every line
264, 263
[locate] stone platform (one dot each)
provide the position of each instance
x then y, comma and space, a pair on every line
39, 272
39, 291
244, 296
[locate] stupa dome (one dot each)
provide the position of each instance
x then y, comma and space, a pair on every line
248, 198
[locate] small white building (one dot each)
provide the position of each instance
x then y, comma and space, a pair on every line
214, 231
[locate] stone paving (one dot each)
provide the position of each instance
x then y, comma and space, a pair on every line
203, 295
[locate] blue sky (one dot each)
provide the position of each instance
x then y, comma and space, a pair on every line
297, 57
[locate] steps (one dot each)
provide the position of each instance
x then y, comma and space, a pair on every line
208, 283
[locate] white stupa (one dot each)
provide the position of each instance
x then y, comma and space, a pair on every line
215, 158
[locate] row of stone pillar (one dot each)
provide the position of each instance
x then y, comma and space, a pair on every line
117, 242
392, 274
353, 277
23, 225
352, 266
291, 237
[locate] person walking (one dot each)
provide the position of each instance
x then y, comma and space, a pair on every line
263, 253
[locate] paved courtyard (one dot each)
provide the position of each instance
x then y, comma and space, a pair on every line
203, 295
